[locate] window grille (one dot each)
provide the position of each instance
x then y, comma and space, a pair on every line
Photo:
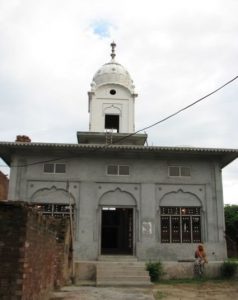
180, 225
123, 170
54, 168
112, 170
49, 168
58, 211
59, 168
179, 171
118, 170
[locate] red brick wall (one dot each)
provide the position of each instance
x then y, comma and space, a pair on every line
11, 240
32, 253
4, 181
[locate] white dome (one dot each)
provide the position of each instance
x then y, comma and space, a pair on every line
113, 72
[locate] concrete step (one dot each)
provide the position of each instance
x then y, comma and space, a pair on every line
125, 278
121, 270
122, 273
116, 266
117, 258
122, 283
121, 264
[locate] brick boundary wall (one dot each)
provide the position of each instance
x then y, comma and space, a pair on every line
34, 252
4, 182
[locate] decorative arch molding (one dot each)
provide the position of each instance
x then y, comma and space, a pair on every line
112, 109
180, 198
117, 197
52, 195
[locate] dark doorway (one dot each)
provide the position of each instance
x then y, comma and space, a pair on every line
112, 122
117, 230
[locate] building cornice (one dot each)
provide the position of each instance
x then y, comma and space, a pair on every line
7, 149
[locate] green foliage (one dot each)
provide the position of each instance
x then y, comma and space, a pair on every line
234, 259
231, 219
155, 270
228, 269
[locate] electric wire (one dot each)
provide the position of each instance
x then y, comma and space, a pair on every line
180, 110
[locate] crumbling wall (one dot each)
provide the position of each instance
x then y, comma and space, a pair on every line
33, 252
4, 182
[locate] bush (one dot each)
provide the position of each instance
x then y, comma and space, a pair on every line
155, 270
228, 269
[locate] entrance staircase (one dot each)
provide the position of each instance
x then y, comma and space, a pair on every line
121, 271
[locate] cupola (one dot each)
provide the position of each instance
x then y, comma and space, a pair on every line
111, 102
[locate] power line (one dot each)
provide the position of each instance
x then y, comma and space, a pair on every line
179, 111
143, 129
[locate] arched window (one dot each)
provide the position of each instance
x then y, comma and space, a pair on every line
180, 224
180, 218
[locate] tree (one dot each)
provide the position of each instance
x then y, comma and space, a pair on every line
231, 221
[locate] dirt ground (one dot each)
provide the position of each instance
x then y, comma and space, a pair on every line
203, 291
220, 290
104, 293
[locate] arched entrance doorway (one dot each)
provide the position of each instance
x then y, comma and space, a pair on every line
117, 223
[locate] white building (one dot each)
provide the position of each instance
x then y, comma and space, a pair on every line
129, 199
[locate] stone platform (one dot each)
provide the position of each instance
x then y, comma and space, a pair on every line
119, 271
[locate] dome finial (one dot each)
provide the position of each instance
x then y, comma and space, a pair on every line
113, 45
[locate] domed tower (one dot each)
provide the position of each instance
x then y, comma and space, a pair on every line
111, 99
111, 106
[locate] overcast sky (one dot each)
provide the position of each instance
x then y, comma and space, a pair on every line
176, 52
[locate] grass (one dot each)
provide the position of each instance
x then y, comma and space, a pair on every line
182, 280
194, 288
160, 295
195, 280
192, 283
233, 259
